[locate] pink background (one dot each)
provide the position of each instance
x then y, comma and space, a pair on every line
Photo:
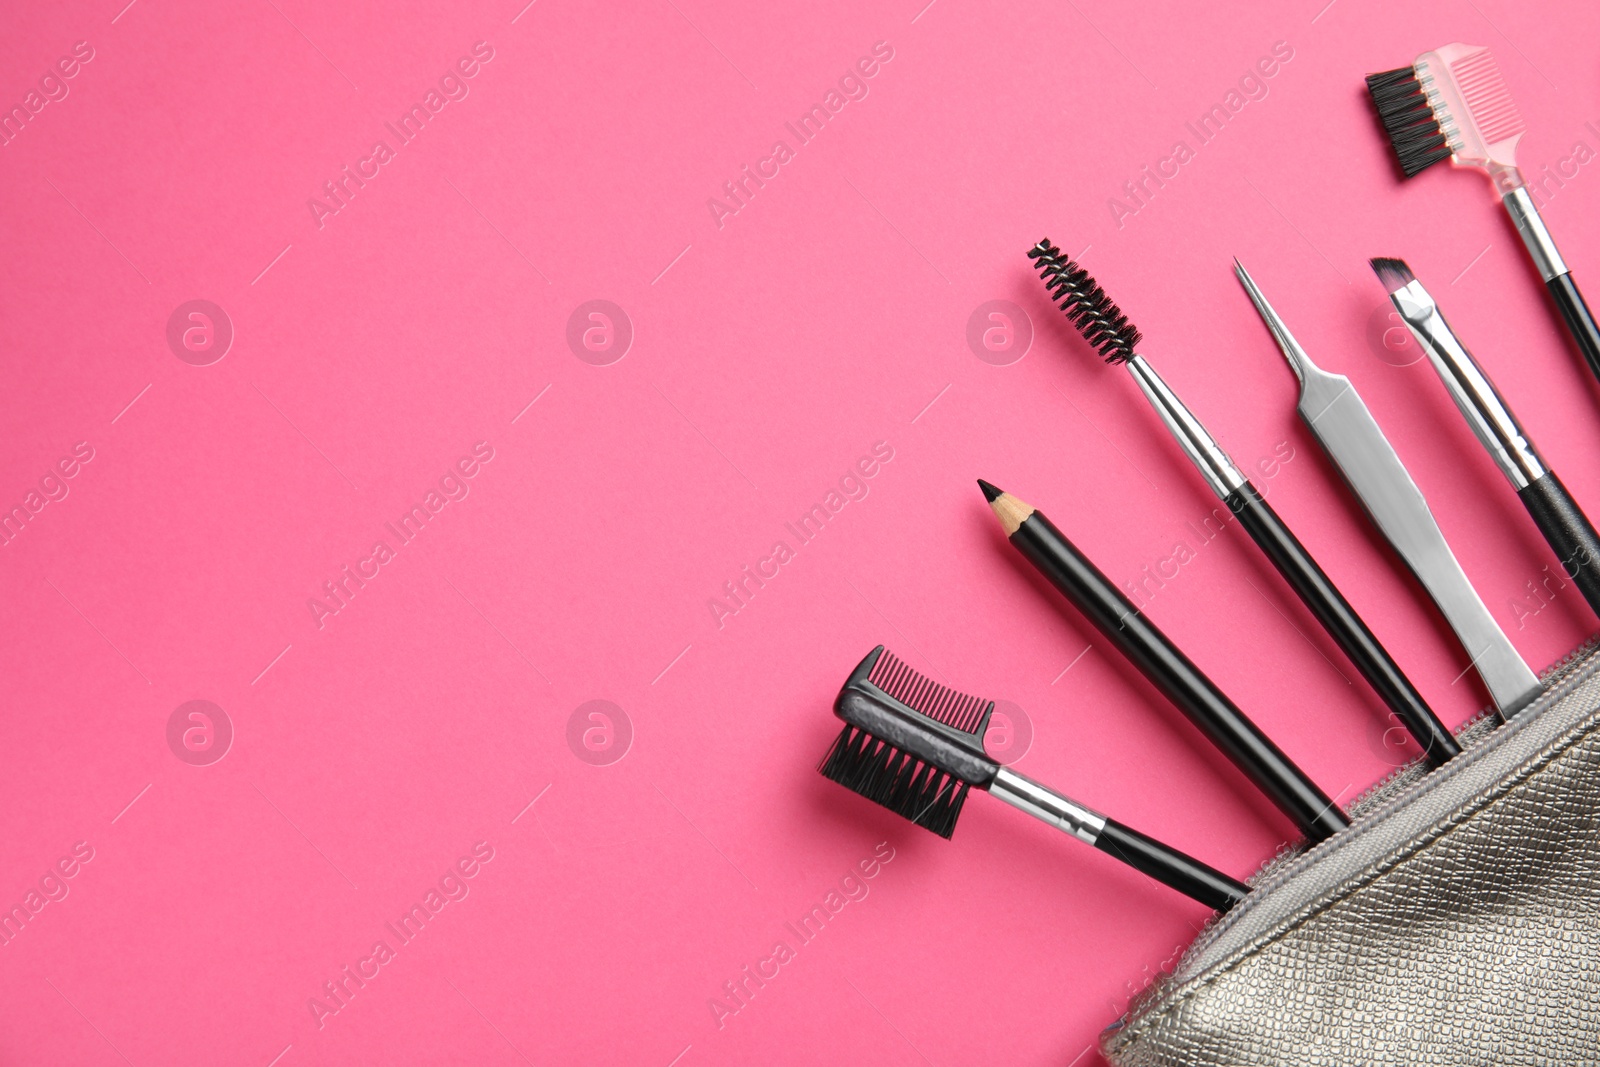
769, 354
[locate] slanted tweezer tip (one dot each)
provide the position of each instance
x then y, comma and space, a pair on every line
1296, 356
1248, 282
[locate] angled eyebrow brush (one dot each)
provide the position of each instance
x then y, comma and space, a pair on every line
1158, 659
1108, 330
1342, 424
916, 747
1564, 525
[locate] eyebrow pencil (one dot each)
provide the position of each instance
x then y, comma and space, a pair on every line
1338, 418
1564, 526
1453, 103
916, 747
1108, 330
1159, 660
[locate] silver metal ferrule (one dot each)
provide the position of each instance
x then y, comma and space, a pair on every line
1048, 806
1480, 403
1201, 448
1535, 237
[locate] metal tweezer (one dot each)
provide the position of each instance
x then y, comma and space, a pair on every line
1342, 424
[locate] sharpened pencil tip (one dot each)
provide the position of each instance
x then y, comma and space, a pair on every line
991, 493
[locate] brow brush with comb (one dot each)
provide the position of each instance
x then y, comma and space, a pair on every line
1453, 103
915, 747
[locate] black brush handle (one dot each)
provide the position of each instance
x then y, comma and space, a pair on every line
1334, 612
1580, 323
1169, 866
1568, 532
1159, 660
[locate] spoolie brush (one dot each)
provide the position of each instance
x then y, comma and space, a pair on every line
1115, 338
916, 747
1086, 305
1454, 103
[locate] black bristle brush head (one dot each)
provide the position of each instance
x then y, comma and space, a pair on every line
895, 780
1087, 307
909, 744
1414, 131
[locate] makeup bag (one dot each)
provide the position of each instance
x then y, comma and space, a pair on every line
1457, 921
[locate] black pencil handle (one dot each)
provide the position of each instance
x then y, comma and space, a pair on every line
1568, 532
1580, 323
1194, 694
1170, 867
1340, 620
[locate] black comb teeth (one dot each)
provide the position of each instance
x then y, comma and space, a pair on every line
1087, 306
1414, 131
896, 780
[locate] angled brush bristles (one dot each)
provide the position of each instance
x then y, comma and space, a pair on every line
922, 694
895, 780
1087, 306
1414, 131
1393, 273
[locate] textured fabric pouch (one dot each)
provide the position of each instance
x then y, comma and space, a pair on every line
1456, 922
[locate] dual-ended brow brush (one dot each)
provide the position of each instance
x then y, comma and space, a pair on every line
1339, 419
1453, 103
1159, 660
1108, 330
1565, 527
916, 747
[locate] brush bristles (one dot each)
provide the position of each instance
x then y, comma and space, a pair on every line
1393, 273
1414, 131
1087, 306
895, 780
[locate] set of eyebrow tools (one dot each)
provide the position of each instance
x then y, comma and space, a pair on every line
915, 746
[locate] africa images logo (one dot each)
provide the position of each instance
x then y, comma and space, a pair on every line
852, 85
199, 332
341, 189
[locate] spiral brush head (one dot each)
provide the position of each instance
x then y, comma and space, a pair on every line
909, 744
1087, 306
